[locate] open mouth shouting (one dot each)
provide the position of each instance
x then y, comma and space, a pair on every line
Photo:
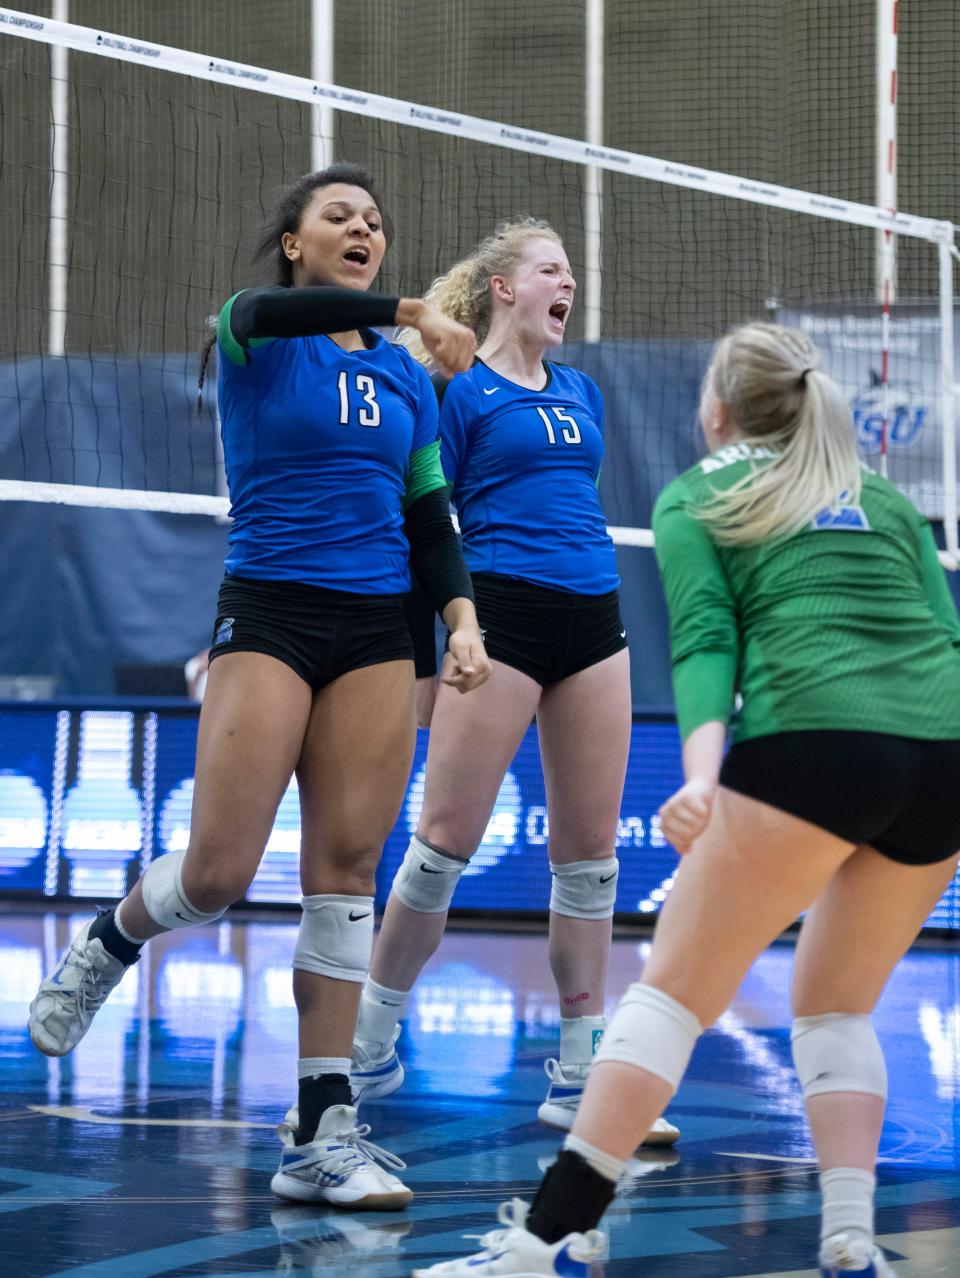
357, 258
557, 315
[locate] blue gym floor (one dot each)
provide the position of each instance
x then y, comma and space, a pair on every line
150, 1149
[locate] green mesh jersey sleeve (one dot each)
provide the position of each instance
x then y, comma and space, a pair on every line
704, 642
935, 583
424, 474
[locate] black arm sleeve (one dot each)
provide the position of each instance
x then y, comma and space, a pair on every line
275, 311
435, 554
422, 623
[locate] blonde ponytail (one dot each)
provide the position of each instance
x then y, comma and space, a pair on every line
463, 293
768, 380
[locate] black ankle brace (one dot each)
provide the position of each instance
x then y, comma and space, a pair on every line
572, 1199
105, 930
316, 1096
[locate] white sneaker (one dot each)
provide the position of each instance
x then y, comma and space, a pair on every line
338, 1166
315, 1244
514, 1252
373, 1076
563, 1100
843, 1254
70, 997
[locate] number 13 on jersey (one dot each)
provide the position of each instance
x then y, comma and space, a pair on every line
369, 416
570, 434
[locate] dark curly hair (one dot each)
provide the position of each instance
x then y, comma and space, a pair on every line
287, 217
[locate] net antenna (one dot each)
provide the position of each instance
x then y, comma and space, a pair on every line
327, 103
887, 23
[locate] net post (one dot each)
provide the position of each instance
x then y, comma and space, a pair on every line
948, 394
886, 132
593, 178
321, 70
57, 238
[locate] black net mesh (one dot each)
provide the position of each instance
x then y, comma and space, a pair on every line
169, 179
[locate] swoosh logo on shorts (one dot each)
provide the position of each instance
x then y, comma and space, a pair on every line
425, 869
608, 878
355, 918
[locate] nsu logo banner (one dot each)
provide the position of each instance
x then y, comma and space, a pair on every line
849, 336
908, 413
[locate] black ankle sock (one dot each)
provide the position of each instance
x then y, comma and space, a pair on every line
104, 928
316, 1095
572, 1199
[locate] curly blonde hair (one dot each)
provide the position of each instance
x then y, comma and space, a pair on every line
463, 293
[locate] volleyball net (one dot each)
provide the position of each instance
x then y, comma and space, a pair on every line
137, 175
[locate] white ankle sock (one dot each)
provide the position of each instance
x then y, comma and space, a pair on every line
847, 1202
604, 1164
579, 1039
314, 1066
380, 1010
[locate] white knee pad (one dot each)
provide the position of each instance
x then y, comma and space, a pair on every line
335, 937
585, 889
164, 898
838, 1052
652, 1031
427, 879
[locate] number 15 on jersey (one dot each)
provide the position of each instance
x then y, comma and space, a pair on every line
570, 434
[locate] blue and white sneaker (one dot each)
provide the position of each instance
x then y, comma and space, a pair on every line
513, 1252
842, 1254
373, 1076
70, 997
559, 1110
339, 1166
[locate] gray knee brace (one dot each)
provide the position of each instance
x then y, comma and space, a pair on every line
427, 878
164, 898
585, 889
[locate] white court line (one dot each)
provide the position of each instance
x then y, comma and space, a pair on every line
768, 1158
79, 1114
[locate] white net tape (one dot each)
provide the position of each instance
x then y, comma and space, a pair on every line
297, 88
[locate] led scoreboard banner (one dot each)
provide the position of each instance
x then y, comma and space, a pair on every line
88, 796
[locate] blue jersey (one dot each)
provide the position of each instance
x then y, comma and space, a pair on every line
324, 448
524, 466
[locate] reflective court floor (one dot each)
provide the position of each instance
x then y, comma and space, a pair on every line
149, 1151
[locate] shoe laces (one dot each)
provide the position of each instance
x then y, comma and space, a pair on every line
556, 1073
511, 1214
91, 992
843, 1251
354, 1152
366, 1053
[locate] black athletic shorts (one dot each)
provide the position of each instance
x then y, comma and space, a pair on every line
900, 795
321, 634
546, 634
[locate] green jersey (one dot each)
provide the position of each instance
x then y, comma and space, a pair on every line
849, 624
